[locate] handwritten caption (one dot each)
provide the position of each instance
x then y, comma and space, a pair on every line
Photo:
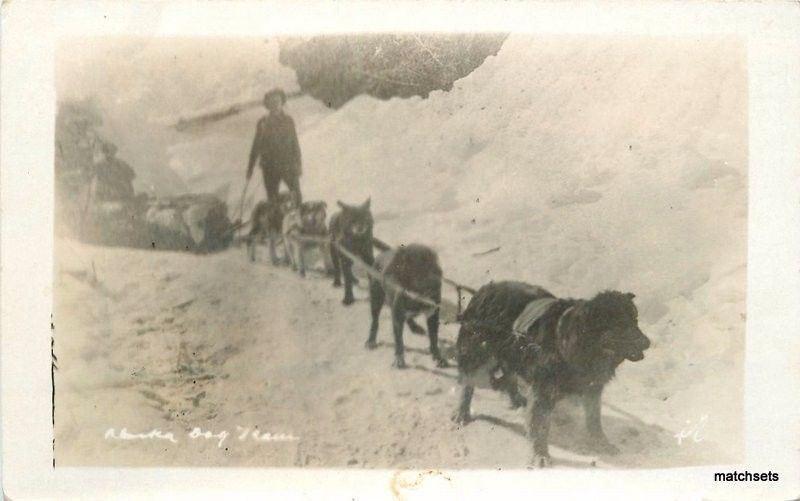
692, 430
242, 434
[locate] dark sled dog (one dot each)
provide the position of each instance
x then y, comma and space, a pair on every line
266, 225
351, 228
415, 268
558, 346
308, 220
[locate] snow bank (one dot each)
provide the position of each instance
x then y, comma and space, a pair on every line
592, 164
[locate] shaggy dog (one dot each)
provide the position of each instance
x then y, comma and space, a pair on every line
558, 346
351, 228
306, 220
414, 268
266, 224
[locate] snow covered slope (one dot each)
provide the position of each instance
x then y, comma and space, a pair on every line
172, 342
592, 163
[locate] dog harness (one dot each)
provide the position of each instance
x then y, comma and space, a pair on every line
532, 312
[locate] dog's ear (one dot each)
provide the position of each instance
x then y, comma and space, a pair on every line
366, 204
630, 295
342, 205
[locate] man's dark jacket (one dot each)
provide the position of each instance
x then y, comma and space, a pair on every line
276, 145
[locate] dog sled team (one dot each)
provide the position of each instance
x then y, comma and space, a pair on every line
510, 332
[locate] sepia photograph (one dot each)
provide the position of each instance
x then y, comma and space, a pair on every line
394, 250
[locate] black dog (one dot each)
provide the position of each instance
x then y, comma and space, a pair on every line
414, 268
558, 346
266, 224
351, 228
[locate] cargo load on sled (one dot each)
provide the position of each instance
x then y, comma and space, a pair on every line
96, 201
193, 222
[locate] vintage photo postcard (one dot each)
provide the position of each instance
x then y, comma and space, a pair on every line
400, 260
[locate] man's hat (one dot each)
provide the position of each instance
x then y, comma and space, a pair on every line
276, 91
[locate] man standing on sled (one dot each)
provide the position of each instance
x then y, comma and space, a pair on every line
276, 145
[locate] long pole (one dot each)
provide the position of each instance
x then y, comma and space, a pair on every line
241, 205
222, 113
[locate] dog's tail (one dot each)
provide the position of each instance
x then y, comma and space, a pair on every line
380, 244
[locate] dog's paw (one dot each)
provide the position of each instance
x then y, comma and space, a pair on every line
399, 363
337, 283
540, 461
348, 300
441, 362
461, 418
370, 345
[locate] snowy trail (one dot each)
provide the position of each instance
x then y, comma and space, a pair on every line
589, 163
171, 341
